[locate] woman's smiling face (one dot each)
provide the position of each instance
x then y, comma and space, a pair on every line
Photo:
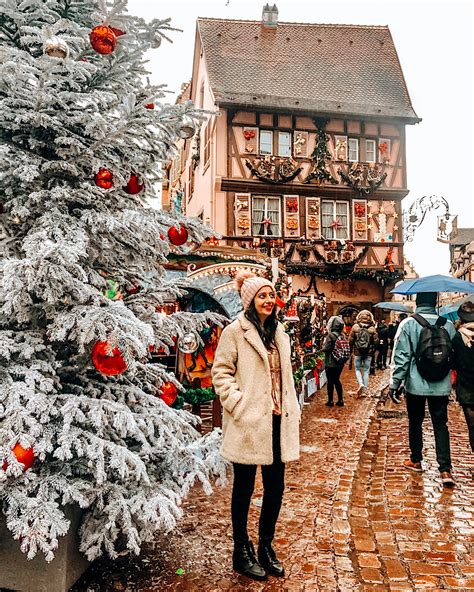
265, 302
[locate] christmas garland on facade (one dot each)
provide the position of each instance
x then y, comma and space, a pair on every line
319, 156
265, 169
382, 276
354, 182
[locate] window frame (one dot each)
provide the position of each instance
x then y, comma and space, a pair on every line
289, 146
375, 148
206, 146
356, 140
265, 215
262, 133
333, 231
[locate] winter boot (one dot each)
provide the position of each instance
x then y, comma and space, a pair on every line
245, 562
268, 560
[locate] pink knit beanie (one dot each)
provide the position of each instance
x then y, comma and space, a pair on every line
248, 284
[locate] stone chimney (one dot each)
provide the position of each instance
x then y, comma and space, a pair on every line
270, 16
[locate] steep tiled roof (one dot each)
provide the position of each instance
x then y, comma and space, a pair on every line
346, 69
463, 237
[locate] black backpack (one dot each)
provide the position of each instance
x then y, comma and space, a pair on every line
433, 355
362, 341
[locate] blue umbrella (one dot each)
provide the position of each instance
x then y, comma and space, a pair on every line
396, 306
434, 283
450, 312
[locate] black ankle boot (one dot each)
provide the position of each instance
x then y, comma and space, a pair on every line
245, 562
268, 560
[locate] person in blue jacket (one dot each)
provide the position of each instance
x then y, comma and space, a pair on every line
419, 392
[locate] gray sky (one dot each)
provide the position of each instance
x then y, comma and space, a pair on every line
435, 47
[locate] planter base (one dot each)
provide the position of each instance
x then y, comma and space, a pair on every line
17, 573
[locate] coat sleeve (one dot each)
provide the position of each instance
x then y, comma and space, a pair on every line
402, 355
329, 343
224, 369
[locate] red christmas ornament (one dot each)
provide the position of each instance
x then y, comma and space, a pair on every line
178, 237
150, 106
169, 393
133, 186
103, 39
104, 178
25, 456
107, 363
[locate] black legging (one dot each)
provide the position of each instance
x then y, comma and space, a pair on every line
333, 375
273, 477
469, 415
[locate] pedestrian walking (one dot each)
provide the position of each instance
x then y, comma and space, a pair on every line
463, 364
421, 362
253, 377
337, 351
392, 331
363, 341
382, 348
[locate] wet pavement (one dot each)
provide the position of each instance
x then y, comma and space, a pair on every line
352, 518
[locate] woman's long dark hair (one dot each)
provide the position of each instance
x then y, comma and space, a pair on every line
268, 329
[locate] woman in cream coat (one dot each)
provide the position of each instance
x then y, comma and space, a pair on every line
253, 377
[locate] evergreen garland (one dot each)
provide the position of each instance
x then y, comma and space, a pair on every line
319, 156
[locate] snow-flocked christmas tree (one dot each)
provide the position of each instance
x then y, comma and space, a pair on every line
81, 419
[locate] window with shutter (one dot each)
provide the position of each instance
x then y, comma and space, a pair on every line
266, 216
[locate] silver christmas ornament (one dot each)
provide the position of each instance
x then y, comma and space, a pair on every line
187, 129
55, 47
156, 42
188, 344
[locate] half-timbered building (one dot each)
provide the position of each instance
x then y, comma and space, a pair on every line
304, 154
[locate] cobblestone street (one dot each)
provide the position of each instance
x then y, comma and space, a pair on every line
352, 518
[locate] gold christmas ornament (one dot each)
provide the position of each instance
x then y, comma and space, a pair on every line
55, 47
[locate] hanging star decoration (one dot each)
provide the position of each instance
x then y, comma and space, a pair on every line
336, 224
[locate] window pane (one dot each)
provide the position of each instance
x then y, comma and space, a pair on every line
370, 150
327, 216
284, 144
266, 216
266, 140
353, 150
342, 216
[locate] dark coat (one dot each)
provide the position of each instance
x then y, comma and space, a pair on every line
463, 363
329, 343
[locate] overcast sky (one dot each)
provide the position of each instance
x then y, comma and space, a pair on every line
434, 41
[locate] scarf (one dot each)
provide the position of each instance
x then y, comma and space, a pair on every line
467, 334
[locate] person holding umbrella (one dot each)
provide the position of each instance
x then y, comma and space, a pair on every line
421, 362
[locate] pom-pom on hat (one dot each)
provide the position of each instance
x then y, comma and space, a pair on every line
248, 284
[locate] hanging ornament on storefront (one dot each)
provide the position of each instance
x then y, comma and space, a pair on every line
188, 344
108, 360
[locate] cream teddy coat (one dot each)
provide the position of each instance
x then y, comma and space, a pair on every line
241, 378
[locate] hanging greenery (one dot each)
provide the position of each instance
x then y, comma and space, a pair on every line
319, 156
316, 361
195, 396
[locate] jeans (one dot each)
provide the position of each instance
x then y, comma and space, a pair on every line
469, 415
273, 477
362, 368
334, 380
438, 408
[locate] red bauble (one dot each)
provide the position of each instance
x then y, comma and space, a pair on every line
104, 178
109, 364
169, 393
178, 237
150, 106
25, 456
103, 39
133, 186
